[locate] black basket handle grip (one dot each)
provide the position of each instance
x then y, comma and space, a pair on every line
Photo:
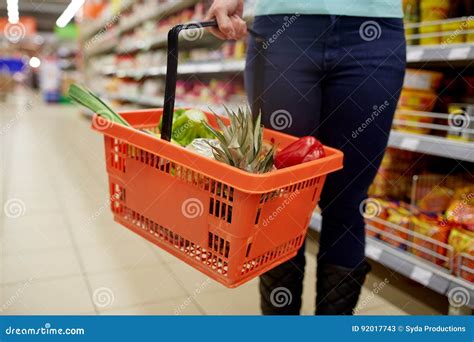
172, 71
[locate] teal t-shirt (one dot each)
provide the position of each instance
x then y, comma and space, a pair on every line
359, 8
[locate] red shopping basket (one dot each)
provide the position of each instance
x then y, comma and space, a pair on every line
227, 223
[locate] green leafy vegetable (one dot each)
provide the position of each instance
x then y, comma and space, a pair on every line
88, 99
188, 125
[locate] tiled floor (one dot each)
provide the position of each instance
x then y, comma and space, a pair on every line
61, 252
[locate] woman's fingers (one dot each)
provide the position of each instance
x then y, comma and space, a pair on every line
217, 33
240, 27
230, 24
225, 23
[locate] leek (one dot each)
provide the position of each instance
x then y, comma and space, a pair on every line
89, 100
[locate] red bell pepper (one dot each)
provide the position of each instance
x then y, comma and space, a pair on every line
303, 150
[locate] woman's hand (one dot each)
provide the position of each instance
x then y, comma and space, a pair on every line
228, 14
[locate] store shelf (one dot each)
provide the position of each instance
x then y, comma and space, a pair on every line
92, 28
187, 68
157, 102
440, 53
159, 40
141, 100
410, 266
104, 47
432, 145
161, 11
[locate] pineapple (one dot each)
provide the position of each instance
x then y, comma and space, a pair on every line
241, 143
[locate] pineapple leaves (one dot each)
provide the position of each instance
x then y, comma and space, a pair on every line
241, 143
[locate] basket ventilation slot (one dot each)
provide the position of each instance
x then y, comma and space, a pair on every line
289, 192
291, 189
215, 257
275, 253
117, 198
117, 155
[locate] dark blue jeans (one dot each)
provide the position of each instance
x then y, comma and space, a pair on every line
337, 78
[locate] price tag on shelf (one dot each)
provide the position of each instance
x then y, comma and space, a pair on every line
421, 275
414, 54
410, 144
373, 252
459, 53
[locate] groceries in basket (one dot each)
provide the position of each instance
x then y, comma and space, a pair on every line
239, 144
188, 125
203, 211
303, 150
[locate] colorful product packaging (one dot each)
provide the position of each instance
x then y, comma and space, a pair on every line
432, 228
401, 217
462, 241
417, 100
461, 118
423, 80
436, 200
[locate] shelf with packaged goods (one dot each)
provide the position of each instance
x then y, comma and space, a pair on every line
440, 53
157, 102
452, 134
160, 41
161, 11
432, 276
103, 47
92, 28
183, 69
432, 145
447, 40
421, 143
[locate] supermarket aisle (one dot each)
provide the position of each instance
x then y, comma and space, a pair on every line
61, 252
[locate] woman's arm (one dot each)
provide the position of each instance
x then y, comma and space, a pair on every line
228, 14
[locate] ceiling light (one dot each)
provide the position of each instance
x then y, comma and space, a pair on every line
12, 10
35, 62
69, 12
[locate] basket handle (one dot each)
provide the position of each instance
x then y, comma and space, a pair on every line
172, 72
